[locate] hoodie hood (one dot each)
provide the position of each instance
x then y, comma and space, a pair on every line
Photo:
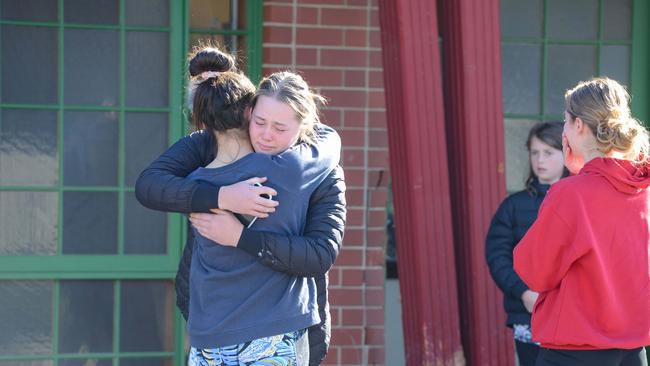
626, 176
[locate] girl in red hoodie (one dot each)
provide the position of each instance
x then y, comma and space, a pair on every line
588, 252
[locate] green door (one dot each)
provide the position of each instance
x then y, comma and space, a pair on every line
91, 92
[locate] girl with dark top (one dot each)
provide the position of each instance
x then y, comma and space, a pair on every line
511, 221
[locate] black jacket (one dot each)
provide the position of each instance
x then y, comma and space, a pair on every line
509, 225
162, 186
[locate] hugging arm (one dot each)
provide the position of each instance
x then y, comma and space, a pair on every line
162, 185
314, 252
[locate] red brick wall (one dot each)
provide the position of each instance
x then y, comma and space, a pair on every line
335, 45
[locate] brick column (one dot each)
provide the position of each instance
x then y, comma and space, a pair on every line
335, 45
418, 157
470, 31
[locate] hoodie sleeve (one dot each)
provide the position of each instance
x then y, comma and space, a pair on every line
543, 257
162, 185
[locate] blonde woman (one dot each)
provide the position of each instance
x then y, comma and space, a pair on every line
588, 252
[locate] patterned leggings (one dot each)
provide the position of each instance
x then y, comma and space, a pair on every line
287, 349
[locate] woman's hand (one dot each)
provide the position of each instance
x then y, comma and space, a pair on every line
245, 198
529, 297
571, 161
221, 226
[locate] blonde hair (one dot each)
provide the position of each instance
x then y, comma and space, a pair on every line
603, 105
293, 90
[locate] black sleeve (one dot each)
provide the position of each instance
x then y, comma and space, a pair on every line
313, 253
182, 283
162, 185
499, 244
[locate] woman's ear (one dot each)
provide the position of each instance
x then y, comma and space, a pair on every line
248, 113
579, 124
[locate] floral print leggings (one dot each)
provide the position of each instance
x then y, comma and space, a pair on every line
280, 350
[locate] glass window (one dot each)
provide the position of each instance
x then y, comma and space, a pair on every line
33, 10
86, 317
154, 13
524, 18
29, 148
90, 148
146, 321
91, 68
26, 309
30, 74
31, 230
147, 70
91, 11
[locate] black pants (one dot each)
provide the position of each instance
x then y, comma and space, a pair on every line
526, 353
605, 357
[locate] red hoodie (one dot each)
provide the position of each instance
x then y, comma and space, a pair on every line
588, 255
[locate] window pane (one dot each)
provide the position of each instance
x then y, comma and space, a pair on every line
28, 147
27, 363
89, 223
86, 317
32, 10
30, 230
146, 362
517, 161
30, 75
26, 318
521, 18
88, 362
147, 72
91, 11
567, 65
147, 322
217, 14
91, 67
575, 19
145, 231
521, 78
615, 63
151, 128
617, 20
147, 13
90, 148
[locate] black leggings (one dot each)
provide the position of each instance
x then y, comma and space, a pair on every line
526, 353
605, 357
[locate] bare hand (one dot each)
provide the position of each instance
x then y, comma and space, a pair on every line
245, 198
529, 297
571, 161
221, 226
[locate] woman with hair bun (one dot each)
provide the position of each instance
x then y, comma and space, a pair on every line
255, 287
588, 252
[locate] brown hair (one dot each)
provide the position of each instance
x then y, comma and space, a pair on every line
217, 92
549, 133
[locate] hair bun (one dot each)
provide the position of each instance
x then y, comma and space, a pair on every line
210, 59
620, 134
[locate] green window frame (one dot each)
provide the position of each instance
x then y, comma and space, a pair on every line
118, 267
639, 85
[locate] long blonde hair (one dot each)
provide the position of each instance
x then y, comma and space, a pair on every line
604, 106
